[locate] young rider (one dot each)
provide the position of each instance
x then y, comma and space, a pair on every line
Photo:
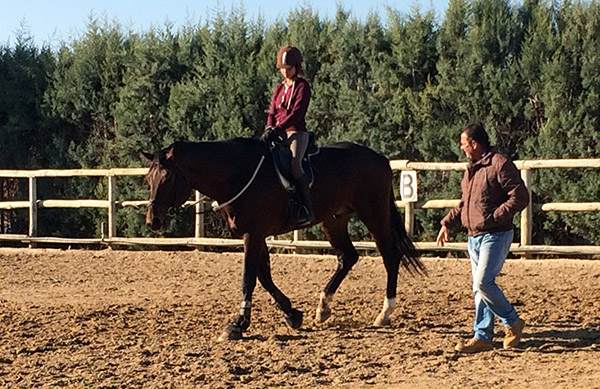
287, 112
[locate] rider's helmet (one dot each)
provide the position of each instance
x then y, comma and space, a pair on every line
289, 56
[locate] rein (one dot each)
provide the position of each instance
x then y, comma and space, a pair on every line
215, 205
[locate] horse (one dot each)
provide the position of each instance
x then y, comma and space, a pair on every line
349, 179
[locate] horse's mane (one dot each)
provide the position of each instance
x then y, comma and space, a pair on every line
234, 145
246, 142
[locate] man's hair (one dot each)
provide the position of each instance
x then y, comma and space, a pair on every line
476, 132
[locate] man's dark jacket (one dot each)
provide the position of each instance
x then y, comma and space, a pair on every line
492, 192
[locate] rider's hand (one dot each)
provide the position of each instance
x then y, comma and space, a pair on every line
269, 134
442, 236
266, 135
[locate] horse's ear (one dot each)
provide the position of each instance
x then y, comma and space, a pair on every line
147, 156
170, 153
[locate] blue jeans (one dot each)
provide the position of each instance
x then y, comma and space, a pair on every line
488, 252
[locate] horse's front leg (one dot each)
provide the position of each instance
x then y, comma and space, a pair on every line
293, 317
240, 324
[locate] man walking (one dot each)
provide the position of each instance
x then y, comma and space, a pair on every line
492, 192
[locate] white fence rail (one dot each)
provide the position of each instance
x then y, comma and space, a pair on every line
112, 204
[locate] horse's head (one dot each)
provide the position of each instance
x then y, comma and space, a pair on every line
168, 187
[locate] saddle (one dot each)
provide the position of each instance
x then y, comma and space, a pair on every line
278, 145
282, 159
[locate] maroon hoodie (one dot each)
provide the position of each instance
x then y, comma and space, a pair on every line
288, 106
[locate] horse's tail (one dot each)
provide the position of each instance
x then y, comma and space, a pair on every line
409, 257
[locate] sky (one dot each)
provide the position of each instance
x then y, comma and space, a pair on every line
49, 22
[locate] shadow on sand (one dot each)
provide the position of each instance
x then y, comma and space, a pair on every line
561, 337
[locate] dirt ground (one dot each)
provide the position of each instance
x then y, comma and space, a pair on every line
151, 319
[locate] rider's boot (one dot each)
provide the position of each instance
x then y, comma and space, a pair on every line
305, 215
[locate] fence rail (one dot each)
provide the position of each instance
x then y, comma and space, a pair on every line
112, 204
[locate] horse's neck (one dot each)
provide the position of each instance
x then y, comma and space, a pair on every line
217, 169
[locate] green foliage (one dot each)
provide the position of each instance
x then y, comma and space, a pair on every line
224, 93
403, 84
24, 74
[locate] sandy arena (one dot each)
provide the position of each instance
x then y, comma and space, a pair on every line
151, 319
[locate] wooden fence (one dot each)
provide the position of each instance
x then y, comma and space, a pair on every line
112, 204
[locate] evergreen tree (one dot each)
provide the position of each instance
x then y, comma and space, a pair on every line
402, 71
25, 137
24, 72
339, 109
570, 99
539, 43
223, 96
141, 117
83, 93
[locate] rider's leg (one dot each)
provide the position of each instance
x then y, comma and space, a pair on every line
298, 144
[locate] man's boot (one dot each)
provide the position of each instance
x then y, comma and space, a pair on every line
305, 215
473, 346
513, 334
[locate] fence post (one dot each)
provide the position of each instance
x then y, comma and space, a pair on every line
112, 206
32, 208
409, 218
527, 213
408, 193
298, 235
199, 220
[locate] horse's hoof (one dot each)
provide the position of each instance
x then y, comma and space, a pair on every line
294, 319
232, 332
382, 321
322, 315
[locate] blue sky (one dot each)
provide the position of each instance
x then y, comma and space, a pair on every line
53, 21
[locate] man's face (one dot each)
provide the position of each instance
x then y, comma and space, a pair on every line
471, 148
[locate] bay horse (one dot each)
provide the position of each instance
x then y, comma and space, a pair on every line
239, 175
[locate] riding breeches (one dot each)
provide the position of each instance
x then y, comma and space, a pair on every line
298, 141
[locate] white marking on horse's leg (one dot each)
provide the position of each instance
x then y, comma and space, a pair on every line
383, 318
325, 300
245, 307
234, 330
324, 309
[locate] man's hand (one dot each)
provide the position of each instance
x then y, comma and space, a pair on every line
442, 236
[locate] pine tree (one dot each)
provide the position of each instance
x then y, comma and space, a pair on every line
570, 98
24, 71
84, 91
539, 43
141, 109
223, 96
25, 136
340, 88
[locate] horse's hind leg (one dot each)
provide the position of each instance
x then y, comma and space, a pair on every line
336, 230
293, 317
378, 222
